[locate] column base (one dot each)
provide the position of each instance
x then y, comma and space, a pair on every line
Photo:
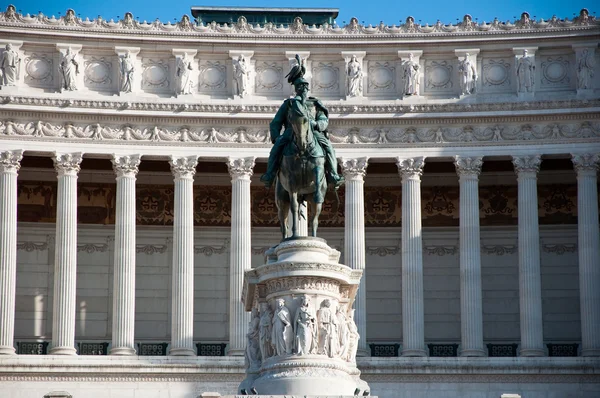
7, 350
532, 352
63, 351
236, 352
585, 352
182, 352
363, 352
473, 352
414, 353
122, 351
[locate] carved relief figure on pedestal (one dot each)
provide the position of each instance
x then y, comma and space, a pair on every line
585, 70
282, 334
354, 78
343, 331
10, 65
328, 339
304, 328
525, 73
69, 69
252, 357
127, 69
184, 74
468, 75
411, 76
353, 338
240, 76
265, 325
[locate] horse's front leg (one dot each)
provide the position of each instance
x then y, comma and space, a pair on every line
316, 211
294, 206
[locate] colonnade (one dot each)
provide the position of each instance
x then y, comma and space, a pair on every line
183, 169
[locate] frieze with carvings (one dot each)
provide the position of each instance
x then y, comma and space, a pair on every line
303, 283
498, 205
440, 206
130, 26
557, 204
560, 248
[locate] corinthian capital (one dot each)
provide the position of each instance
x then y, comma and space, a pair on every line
355, 168
126, 166
411, 167
67, 163
241, 167
585, 161
468, 166
183, 166
527, 164
10, 161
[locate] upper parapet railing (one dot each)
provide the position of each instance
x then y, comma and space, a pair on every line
128, 25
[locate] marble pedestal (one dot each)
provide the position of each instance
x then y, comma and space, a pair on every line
302, 277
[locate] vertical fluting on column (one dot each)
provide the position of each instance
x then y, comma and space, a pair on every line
182, 310
126, 169
67, 166
302, 221
586, 166
471, 306
354, 239
530, 282
9, 168
240, 170
413, 317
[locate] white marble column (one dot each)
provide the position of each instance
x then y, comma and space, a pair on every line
126, 168
240, 170
413, 320
586, 166
65, 258
182, 310
530, 279
10, 161
302, 222
471, 307
354, 239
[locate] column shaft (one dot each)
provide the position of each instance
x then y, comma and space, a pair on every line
182, 312
530, 279
126, 168
9, 167
354, 240
413, 321
471, 307
65, 258
589, 252
241, 225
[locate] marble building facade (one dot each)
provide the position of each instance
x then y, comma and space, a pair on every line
130, 154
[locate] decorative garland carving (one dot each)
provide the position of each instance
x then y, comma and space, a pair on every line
560, 248
209, 250
499, 250
91, 248
151, 249
32, 246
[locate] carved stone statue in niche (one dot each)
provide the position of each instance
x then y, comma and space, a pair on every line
328, 339
305, 328
468, 75
282, 336
240, 76
585, 70
252, 356
69, 69
525, 73
184, 75
354, 73
10, 64
127, 70
411, 76
265, 327
353, 339
343, 331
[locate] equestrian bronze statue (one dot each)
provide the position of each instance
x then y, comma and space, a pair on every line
302, 161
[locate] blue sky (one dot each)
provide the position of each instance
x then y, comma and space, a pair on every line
369, 11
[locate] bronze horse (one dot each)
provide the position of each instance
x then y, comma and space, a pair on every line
301, 176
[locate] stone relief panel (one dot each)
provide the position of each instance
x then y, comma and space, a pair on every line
98, 73
381, 78
497, 73
269, 77
498, 205
556, 72
212, 77
439, 206
557, 204
155, 75
439, 76
96, 203
39, 70
325, 78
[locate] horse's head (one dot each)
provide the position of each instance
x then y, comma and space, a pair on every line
301, 128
